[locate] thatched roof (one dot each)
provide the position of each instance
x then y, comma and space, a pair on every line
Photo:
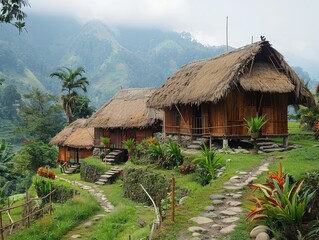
255, 67
75, 135
127, 109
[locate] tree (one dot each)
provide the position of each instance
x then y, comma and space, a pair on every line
11, 12
41, 115
71, 82
9, 100
82, 108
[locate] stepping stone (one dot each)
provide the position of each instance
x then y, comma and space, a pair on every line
209, 215
196, 238
228, 229
233, 203
236, 196
209, 208
235, 209
250, 180
217, 196
230, 219
228, 213
196, 234
217, 202
197, 229
100, 183
88, 224
233, 187
242, 173
201, 220
216, 226
76, 236
234, 178
256, 230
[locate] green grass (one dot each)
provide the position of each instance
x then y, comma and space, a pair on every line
65, 217
97, 163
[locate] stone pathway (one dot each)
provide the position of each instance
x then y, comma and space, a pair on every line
220, 218
100, 197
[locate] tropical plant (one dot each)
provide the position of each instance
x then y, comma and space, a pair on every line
280, 206
71, 82
157, 152
174, 154
207, 164
5, 161
129, 144
254, 124
105, 140
11, 12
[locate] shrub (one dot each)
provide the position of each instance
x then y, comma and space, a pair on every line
62, 190
281, 206
155, 184
45, 172
207, 164
91, 169
174, 154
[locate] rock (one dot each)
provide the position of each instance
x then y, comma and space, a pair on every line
227, 230
201, 220
228, 160
227, 213
236, 195
217, 202
76, 236
87, 224
216, 226
141, 222
233, 203
216, 196
197, 229
209, 208
182, 200
233, 187
196, 238
242, 173
196, 234
235, 209
209, 215
256, 230
234, 178
262, 236
230, 219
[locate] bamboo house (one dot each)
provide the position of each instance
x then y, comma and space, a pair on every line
212, 97
126, 116
75, 141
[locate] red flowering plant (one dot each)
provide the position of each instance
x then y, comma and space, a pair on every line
28, 141
44, 172
187, 168
317, 130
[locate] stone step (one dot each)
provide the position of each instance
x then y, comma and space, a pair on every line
193, 146
103, 180
197, 142
106, 176
265, 143
109, 159
100, 183
274, 150
269, 146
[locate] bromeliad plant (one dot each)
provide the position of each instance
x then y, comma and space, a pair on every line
254, 125
280, 206
129, 144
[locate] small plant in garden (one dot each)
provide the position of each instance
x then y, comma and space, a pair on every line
207, 164
187, 168
156, 151
254, 125
45, 172
105, 140
129, 144
280, 206
174, 154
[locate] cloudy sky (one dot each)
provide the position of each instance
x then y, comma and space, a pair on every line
290, 25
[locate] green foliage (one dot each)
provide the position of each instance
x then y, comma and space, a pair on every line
81, 108
11, 13
254, 124
129, 143
33, 155
174, 154
105, 140
281, 206
64, 218
207, 163
5, 161
156, 185
91, 169
9, 100
41, 116
308, 117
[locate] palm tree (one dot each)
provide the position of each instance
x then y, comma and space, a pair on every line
71, 81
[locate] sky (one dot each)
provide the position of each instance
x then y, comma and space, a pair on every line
289, 25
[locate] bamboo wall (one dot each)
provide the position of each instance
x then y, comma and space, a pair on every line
226, 118
63, 154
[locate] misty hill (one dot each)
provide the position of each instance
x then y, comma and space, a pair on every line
113, 58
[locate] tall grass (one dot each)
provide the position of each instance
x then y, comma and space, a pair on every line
64, 218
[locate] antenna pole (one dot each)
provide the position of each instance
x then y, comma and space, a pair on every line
226, 33
252, 39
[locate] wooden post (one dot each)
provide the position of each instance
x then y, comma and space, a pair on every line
173, 199
28, 208
1, 226
50, 200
